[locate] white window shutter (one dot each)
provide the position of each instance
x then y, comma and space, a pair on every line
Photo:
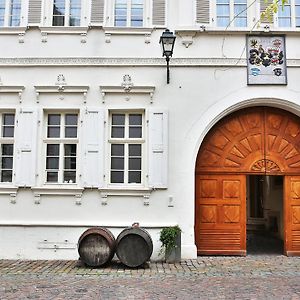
158, 12
34, 12
158, 148
93, 147
203, 11
97, 12
26, 143
263, 6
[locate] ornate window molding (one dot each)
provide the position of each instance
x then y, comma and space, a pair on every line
61, 87
10, 89
127, 88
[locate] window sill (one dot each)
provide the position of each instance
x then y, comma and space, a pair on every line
7, 188
128, 30
64, 30
13, 30
58, 190
235, 30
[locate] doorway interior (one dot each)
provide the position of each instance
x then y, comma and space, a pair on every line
265, 214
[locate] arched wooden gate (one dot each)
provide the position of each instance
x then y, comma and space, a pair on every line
259, 140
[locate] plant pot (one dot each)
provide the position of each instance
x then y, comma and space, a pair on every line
174, 256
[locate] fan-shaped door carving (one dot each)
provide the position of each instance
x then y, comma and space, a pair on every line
254, 140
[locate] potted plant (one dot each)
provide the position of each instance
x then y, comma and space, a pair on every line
170, 238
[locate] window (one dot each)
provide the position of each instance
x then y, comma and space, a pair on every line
289, 14
231, 13
7, 146
66, 13
126, 148
61, 147
129, 13
10, 12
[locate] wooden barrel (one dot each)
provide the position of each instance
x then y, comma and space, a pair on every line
134, 246
96, 246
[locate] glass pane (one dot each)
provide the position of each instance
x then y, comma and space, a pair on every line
297, 22
70, 150
117, 163
223, 10
52, 176
58, 21
7, 162
223, 2
285, 12
297, 11
52, 150
137, 23
120, 22
53, 119
135, 119
71, 132
53, 132
135, 164
118, 119
71, 119
240, 10
7, 149
6, 176
52, 163
284, 22
8, 119
117, 177
135, 132
69, 176
74, 21
135, 150
117, 132
134, 177
8, 131
222, 22
70, 163
240, 22
297, 2
117, 150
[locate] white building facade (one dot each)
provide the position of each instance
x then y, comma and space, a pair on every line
92, 134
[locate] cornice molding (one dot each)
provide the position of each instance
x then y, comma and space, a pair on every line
93, 61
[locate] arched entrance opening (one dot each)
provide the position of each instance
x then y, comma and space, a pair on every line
258, 144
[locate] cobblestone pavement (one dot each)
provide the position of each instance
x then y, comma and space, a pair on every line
251, 277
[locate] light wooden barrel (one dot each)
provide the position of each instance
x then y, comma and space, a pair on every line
96, 246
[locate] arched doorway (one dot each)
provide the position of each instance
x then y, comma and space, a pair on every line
252, 141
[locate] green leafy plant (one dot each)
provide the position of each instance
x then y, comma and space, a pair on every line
168, 237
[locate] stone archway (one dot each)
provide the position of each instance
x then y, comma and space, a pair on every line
258, 140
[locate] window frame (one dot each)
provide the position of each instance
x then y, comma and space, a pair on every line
127, 141
292, 16
231, 16
109, 16
7, 15
48, 15
61, 141
7, 141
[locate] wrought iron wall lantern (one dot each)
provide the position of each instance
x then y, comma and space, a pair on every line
167, 40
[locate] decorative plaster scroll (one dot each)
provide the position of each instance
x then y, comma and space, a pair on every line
21, 37
13, 198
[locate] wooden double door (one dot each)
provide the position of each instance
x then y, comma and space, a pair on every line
259, 140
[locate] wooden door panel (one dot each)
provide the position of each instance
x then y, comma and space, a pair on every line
220, 214
292, 215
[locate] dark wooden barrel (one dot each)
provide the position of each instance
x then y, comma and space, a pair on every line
96, 246
134, 246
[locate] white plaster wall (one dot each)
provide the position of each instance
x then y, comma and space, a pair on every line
196, 98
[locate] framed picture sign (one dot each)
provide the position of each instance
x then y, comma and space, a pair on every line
266, 59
